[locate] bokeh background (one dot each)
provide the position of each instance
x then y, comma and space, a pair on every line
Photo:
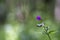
18, 19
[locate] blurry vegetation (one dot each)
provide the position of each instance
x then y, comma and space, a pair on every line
29, 10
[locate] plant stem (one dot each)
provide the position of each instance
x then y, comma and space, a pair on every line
48, 36
47, 33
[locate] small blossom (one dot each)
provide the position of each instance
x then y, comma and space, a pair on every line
38, 18
40, 25
43, 24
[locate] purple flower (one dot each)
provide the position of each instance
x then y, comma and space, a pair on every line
38, 18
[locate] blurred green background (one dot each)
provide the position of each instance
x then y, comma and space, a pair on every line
18, 20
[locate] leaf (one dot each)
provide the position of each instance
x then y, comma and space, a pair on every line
51, 32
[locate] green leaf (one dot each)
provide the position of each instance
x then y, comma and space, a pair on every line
51, 32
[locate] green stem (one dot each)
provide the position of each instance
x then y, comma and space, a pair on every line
48, 36
47, 33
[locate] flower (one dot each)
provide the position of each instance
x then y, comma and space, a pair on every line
38, 18
40, 25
